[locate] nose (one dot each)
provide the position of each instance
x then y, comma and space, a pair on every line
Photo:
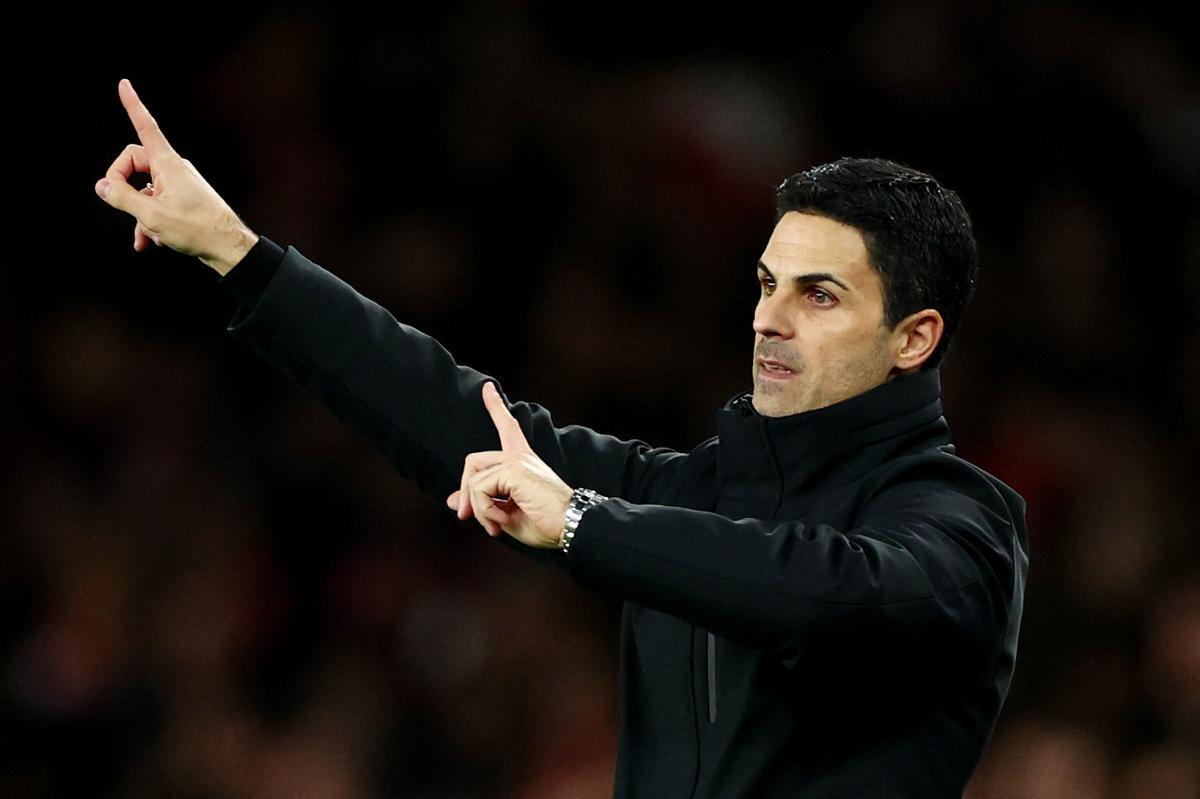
770, 318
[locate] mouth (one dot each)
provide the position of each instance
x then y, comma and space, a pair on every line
774, 370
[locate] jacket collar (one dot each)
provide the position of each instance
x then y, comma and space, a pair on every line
811, 448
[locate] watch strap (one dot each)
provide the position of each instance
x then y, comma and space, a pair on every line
581, 500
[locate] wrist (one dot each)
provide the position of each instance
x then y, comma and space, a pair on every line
231, 252
581, 500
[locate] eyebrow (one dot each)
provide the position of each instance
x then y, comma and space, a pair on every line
807, 277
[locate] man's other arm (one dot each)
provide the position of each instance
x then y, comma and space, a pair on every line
931, 560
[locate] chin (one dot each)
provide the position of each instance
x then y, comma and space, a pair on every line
769, 407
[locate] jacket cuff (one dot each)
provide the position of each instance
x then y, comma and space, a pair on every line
598, 553
248, 278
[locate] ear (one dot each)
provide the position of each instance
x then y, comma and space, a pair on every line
916, 337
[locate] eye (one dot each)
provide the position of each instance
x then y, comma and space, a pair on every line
822, 297
767, 284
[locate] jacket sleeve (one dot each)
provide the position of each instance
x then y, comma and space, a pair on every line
401, 389
930, 559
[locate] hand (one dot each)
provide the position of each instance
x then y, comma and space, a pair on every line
178, 208
511, 490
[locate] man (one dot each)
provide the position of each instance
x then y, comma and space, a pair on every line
822, 600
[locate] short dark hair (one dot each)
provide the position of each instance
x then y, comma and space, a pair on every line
917, 233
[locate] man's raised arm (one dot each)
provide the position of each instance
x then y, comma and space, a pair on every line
402, 389
390, 381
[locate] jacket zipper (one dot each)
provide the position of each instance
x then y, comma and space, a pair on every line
744, 402
712, 678
774, 464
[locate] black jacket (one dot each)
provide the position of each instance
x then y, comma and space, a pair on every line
817, 605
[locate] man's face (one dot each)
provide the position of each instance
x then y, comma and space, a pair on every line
820, 314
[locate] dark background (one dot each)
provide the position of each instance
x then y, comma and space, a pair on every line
210, 588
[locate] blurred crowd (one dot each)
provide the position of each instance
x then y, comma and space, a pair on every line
209, 587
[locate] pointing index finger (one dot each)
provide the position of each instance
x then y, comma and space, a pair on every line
511, 437
147, 129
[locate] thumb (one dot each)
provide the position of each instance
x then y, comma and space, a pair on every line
123, 197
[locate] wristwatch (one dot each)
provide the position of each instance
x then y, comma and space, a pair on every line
581, 500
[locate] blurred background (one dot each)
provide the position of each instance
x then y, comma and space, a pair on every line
209, 587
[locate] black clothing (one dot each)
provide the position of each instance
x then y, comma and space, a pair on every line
818, 605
